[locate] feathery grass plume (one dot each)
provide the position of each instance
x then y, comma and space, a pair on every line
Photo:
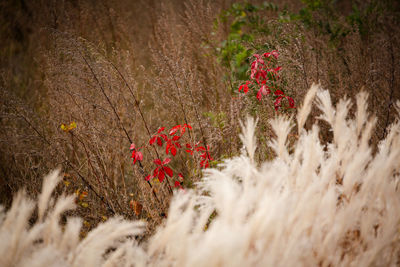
333, 205
248, 137
305, 109
47, 243
282, 127
313, 205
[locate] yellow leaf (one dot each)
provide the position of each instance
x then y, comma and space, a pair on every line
72, 125
84, 204
67, 128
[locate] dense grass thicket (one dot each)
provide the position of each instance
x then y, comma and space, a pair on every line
318, 205
138, 101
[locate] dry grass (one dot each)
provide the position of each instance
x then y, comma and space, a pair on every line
319, 205
121, 69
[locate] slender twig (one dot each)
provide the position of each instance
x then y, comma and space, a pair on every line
68, 163
199, 122
33, 127
177, 88
116, 114
107, 98
301, 48
91, 188
141, 114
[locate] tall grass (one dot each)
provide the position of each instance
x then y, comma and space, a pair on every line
313, 204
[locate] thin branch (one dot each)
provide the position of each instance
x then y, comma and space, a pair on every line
116, 114
106, 96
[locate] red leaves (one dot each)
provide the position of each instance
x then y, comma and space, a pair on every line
161, 170
182, 129
174, 129
291, 102
264, 78
136, 155
245, 87
278, 101
169, 171
171, 147
152, 140
281, 96
261, 73
277, 69
158, 137
264, 90
172, 143
205, 162
273, 53
166, 161
160, 129
148, 177
189, 150
177, 184
204, 153
159, 141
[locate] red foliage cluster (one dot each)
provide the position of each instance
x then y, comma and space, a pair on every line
263, 78
172, 141
205, 155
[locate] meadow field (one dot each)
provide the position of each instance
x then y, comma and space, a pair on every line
199, 133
